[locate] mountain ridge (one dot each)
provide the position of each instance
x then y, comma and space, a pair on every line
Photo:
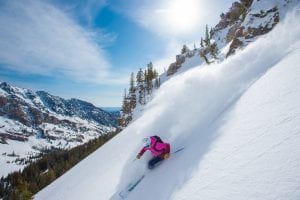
58, 105
42, 121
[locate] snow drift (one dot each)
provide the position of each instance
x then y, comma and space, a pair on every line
239, 124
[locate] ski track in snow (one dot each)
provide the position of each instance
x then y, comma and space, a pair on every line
232, 119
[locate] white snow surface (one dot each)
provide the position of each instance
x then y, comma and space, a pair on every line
238, 120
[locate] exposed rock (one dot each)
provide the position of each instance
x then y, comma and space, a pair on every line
236, 13
247, 3
236, 43
15, 111
3, 101
176, 65
247, 33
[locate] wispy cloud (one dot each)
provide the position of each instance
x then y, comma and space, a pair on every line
85, 11
37, 37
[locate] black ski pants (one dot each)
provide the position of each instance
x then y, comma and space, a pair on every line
154, 161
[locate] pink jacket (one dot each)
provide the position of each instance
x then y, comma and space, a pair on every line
157, 148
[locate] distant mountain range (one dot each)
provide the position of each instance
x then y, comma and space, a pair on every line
111, 109
44, 121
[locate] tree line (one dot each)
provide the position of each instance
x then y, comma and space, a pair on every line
24, 184
140, 89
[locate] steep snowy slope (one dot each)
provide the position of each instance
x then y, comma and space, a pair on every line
238, 121
255, 152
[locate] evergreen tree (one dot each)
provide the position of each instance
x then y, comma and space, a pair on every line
146, 81
150, 75
211, 33
126, 110
207, 36
124, 103
132, 94
157, 83
150, 72
214, 50
140, 80
132, 84
184, 49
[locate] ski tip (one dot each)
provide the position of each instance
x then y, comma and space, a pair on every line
180, 149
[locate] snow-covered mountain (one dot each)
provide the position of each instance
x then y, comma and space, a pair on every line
237, 119
244, 22
31, 122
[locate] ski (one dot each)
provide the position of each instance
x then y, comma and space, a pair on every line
123, 194
176, 151
136, 183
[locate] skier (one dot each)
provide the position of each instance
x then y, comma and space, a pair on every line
159, 149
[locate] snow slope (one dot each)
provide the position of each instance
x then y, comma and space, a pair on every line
239, 122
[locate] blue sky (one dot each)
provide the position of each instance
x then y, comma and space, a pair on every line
87, 49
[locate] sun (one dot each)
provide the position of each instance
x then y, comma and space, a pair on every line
181, 15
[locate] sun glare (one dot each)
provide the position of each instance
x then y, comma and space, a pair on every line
182, 15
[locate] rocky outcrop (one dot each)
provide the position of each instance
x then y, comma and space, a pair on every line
257, 24
245, 21
236, 14
173, 67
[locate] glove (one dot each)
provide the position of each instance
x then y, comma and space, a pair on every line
166, 156
138, 156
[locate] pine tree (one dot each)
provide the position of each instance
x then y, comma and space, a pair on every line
132, 84
184, 49
207, 36
132, 95
157, 83
140, 80
146, 81
126, 111
214, 50
211, 33
124, 107
150, 75
150, 72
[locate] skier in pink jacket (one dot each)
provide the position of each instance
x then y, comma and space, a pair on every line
159, 149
